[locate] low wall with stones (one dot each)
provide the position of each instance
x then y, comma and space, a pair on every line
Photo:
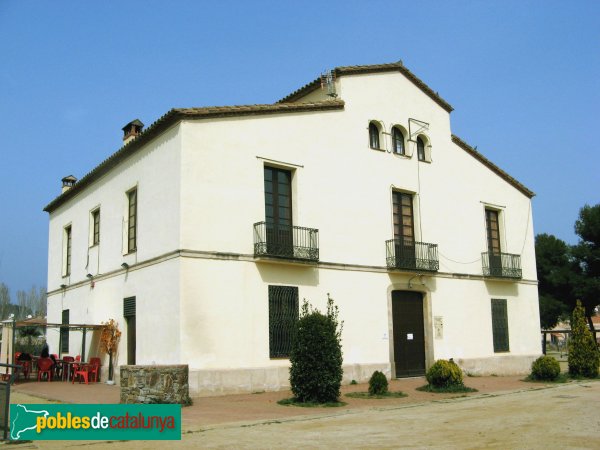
155, 384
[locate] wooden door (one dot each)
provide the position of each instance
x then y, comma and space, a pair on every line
278, 212
409, 333
404, 231
493, 237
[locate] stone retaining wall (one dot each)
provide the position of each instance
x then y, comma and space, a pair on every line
155, 384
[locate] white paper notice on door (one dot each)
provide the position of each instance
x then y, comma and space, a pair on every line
409, 336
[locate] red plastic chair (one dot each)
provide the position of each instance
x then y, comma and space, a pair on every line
83, 372
94, 369
26, 365
45, 366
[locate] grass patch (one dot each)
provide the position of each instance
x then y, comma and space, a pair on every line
366, 395
447, 389
293, 402
561, 378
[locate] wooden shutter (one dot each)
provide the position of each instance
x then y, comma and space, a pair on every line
129, 307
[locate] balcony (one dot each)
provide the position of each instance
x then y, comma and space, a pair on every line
412, 256
285, 241
501, 265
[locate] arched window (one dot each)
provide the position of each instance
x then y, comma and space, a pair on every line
420, 149
397, 141
373, 136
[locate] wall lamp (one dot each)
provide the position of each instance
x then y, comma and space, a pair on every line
90, 276
63, 286
125, 266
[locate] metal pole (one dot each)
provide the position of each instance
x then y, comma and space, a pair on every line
83, 345
14, 332
544, 343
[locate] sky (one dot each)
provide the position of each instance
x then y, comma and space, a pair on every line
523, 78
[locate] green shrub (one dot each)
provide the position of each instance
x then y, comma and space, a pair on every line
378, 384
444, 374
545, 368
316, 355
584, 357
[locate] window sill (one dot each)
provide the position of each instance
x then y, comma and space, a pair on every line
424, 161
131, 252
94, 245
402, 155
377, 149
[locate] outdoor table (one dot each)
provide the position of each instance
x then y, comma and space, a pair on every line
67, 368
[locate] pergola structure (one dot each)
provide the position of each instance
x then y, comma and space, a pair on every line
9, 328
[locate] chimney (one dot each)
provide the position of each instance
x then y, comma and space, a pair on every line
132, 130
67, 183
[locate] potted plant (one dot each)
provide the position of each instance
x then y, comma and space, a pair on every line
109, 339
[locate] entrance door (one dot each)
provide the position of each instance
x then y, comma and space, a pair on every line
409, 334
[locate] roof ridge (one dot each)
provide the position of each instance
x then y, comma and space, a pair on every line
372, 68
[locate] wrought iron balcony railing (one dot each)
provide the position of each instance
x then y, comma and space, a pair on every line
501, 265
285, 241
411, 255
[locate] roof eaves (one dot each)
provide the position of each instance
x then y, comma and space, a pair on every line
175, 115
493, 167
124, 152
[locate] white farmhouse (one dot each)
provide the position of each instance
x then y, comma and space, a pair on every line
203, 234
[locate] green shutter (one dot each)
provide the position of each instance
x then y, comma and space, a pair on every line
283, 315
500, 325
129, 307
64, 332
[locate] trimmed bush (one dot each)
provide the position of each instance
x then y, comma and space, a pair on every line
444, 374
545, 368
378, 384
316, 356
584, 357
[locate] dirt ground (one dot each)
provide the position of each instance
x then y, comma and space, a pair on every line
263, 406
506, 413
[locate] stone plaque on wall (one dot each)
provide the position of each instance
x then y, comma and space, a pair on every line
438, 326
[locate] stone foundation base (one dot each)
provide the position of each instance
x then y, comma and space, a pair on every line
497, 365
154, 384
205, 383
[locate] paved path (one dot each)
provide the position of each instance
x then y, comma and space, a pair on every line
562, 416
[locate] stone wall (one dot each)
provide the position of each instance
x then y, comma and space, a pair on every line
155, 384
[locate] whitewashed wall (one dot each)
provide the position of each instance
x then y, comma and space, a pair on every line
201, 189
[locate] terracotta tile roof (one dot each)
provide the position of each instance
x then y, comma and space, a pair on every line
174, 116
490, 165
353, 70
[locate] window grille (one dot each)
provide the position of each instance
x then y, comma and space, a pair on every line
500, 325
283, 315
